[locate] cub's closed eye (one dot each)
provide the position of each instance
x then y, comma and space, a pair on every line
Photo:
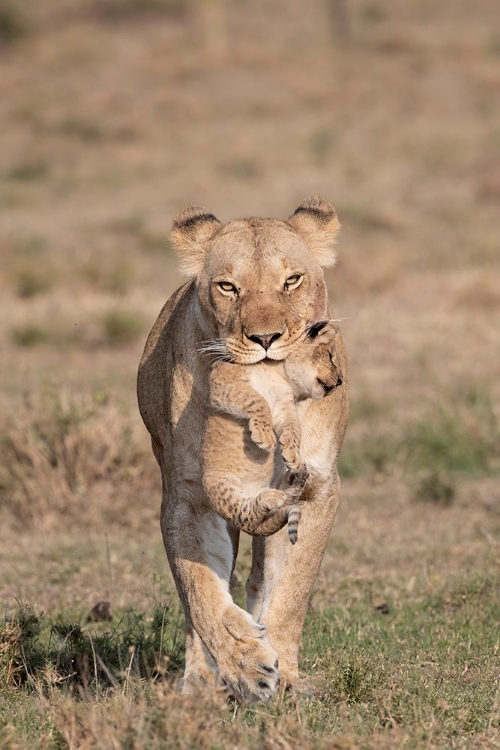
315, 328
226, 287
293, 281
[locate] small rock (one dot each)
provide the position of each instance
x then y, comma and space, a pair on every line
381, 606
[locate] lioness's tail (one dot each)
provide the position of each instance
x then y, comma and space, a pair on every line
293, 522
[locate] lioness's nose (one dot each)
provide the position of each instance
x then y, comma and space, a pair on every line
264, 339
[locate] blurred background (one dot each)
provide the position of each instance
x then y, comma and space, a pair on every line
117, 113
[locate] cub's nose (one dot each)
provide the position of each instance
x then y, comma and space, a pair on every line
264, 339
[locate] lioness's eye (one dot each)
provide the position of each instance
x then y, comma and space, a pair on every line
293, 281
226, 287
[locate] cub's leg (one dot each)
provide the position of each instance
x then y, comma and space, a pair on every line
259, 515
287, 427
231, 393
200, 553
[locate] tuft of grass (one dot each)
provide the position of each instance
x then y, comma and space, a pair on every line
321, 144
366, 219
241, 169
122, 10
63, 459
460, 438
435, 488
29, 246
115, 279
122, 327
373, 453
32, 281
84, 130
13, 24
36, 651
29, 334
29, 171
463, 438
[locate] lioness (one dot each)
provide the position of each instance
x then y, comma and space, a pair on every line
255, 286
265, 395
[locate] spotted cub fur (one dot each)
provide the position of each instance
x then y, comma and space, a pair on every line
239, 478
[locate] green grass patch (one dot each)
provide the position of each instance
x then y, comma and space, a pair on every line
425, 673
35, 650
240, 169
13, 24
463, 437
116, 279
29, 171
30, 282
122, 327
29, 334
122, 10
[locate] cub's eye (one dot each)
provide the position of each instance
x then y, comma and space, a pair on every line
226, 287
293, 281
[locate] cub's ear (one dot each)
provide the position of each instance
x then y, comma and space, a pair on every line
192, 228
317, 223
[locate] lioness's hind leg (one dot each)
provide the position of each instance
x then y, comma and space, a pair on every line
255, 582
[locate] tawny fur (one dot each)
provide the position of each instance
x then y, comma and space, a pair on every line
265, 395
225, 644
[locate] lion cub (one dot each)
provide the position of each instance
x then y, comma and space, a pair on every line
237, 475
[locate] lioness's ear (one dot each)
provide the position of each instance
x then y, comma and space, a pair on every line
317, 223
192, 228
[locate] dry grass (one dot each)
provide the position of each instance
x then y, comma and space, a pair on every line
117, 114
66, 461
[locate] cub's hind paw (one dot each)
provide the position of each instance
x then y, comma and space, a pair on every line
262, 434
298, 477
271, 499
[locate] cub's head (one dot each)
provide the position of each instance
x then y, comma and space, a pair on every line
313, 369
259, 282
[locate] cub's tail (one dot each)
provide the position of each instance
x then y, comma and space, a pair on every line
293, 522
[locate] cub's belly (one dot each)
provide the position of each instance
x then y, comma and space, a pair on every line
228, 451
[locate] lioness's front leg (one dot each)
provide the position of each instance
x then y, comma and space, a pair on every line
283, 574
200, 553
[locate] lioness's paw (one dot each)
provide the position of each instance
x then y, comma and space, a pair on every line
271, 499
262, 434
248, 665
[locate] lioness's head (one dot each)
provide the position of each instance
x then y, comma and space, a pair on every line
313, 369
260, 281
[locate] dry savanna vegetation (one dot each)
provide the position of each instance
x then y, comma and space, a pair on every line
114, 115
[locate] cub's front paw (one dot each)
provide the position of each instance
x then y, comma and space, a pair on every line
290, 450
262, 433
